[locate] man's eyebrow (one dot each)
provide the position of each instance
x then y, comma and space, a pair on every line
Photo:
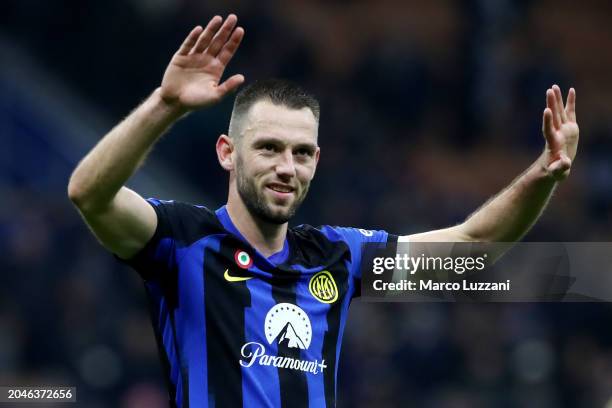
276, 140
309, 146
267, 139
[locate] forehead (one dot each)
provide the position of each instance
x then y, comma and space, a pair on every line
266, 119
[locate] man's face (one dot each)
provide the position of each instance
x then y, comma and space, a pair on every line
276, 159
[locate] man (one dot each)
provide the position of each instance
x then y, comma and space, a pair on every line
246, 310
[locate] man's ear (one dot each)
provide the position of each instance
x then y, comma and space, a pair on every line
225, 147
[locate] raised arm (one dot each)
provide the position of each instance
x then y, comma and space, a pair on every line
120, 218
510, 214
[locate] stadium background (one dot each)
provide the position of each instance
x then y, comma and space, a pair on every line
428, 108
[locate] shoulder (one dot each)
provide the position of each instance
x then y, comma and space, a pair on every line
332, 241
335, 233
316, 245
184, 221
353, 235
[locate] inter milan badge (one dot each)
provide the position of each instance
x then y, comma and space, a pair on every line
323, 287
243, 259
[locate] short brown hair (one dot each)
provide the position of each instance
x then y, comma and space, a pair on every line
279, 92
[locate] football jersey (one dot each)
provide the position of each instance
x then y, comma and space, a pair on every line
236, 328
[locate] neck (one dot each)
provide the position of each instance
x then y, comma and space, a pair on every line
267, 238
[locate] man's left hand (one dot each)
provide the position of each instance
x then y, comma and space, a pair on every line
560, 132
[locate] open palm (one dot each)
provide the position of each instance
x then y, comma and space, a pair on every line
560, 131
192, 79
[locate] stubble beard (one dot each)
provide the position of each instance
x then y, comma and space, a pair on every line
256, 202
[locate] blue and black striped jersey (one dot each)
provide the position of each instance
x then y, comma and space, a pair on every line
235, 328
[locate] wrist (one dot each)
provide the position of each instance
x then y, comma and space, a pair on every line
171, 110
540, 169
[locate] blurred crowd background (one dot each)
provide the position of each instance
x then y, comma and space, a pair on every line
428, 109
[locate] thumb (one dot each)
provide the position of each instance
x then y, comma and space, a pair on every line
559, 169
230, 85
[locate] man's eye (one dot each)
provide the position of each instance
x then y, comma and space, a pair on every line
304, 152
269, 147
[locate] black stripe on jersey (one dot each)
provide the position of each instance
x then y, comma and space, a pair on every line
293, 384
163, 356
225, 303
330, 340
183, 368
312, 248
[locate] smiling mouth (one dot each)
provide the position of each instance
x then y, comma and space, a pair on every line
280, 188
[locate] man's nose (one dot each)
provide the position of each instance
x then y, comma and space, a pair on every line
285, 166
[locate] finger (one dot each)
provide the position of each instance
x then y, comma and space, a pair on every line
222, 35
559, 100
190, 41
207, 34
230, 47
552, 105
230, 85
548, 130
570, 105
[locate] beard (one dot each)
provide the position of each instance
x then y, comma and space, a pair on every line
256, 203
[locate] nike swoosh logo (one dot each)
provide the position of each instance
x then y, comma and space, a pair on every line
231, 278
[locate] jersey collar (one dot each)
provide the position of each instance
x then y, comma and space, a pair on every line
225, 219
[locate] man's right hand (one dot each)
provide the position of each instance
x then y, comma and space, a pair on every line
192, 78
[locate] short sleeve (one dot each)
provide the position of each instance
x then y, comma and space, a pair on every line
355, 238
175, 222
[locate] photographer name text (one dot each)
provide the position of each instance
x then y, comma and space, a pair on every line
431, 285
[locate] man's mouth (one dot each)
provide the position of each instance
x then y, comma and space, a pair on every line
281, 190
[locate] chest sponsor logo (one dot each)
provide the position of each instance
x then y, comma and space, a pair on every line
323, 287
288, 326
